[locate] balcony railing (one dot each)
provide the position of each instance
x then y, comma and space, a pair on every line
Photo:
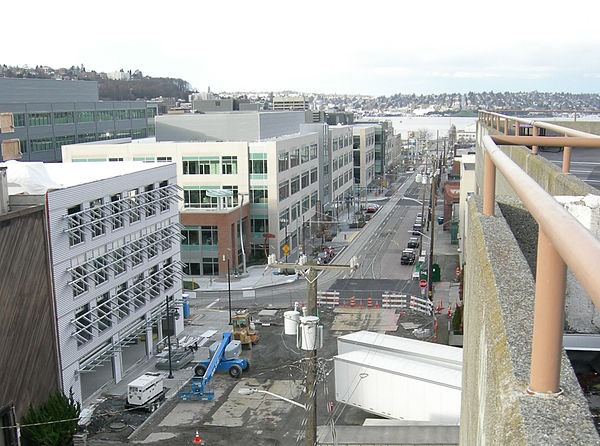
562, 240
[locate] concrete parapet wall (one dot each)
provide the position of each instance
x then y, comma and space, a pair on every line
498, 327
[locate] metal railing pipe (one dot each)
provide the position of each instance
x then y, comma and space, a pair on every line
566, 162
548, 317
556, 141
506, 126
548, 126
534, 149
579, 249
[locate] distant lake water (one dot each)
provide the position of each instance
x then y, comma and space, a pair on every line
405, 124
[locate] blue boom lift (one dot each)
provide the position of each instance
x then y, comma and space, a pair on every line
225, 357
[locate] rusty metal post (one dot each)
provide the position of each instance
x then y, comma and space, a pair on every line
506, 126
566, 164
498, 122
548, 317
516, 128
489, 185
534, 149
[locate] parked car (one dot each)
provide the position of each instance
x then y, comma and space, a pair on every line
371, 208
325, 255
407, 257
413, 242
417, 228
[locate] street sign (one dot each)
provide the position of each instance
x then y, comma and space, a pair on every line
285, 249
423, 283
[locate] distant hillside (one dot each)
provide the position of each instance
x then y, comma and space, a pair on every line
147, 88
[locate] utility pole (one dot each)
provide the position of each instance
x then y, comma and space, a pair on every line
310, 435
310, 273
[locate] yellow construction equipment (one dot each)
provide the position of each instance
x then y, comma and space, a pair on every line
243, 329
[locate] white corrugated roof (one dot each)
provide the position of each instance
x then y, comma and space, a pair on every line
405, 346
36, 178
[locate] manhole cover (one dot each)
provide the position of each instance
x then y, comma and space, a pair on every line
117, 425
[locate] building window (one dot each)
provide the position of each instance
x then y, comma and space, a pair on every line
134, 206
119, 264
295, 210
210, 235
150, 112
154, 279
86, 137
116, 207
139, 291
105, 115
259, 225
79, 280
138, 133
168, 273
295, 185
305, 179
122, 301
164, 196
85, 116
41, 144
83, 324
313, 199
258, 167
284, 190
103, 311
100, 270
64, 117
19, 119
294, 157
97, 218
191, 269
210, 266
334, 164
305, 204
121, 114
75, 225
201, 167
37, 119
259, 196
284, 218
313, 175
229, 165
283, 162
191, 237
233, 200
313, 151
138, 114
335, 144
149, 200
65, 140
304, 154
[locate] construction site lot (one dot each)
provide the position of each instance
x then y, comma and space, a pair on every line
275, 365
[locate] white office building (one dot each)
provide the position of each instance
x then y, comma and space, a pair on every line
113, 236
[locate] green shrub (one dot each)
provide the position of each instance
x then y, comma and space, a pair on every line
57, 407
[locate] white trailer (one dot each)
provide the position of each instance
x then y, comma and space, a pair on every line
395, 387
145, 391
398, 377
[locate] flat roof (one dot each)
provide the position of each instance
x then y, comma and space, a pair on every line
36, 178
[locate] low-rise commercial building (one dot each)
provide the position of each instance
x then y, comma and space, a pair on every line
112, 234
50, 113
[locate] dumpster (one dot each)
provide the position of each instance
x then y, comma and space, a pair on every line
435, 272
440, 220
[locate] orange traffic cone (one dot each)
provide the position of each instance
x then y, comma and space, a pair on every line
376, 304
197, 438
449, 310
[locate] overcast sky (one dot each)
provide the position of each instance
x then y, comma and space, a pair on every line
346, 47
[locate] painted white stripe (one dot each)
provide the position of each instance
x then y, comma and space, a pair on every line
212, 304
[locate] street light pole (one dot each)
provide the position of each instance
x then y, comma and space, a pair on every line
169, 338
310, 436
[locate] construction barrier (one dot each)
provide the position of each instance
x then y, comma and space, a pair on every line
352, 301
331, 298
369, 303
422, 305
